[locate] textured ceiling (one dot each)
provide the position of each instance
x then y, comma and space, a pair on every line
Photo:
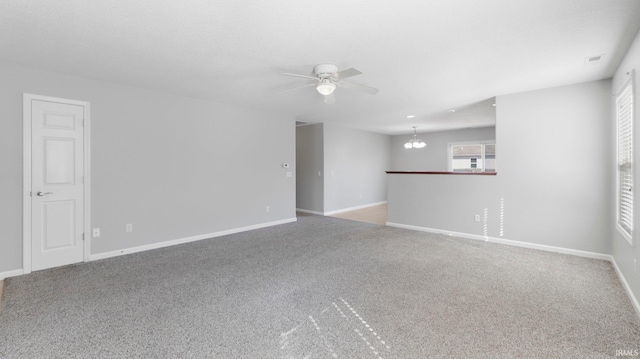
426, 57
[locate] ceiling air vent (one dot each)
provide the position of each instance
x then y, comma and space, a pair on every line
593, 60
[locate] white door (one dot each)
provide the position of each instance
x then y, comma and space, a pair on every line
57, 189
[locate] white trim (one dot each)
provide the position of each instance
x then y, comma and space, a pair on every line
174, 242
87, 181
308, 211
542, 247
26, 183
627, 288
11, 273
27, 98
628, 82
330, 213
623, 232
630, 77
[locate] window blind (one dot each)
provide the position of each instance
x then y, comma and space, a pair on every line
624, 110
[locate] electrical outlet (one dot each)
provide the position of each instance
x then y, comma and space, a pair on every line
129, 227
96, 232
476, 218
267, 209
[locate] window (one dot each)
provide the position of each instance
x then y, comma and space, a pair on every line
472, 156
624, 118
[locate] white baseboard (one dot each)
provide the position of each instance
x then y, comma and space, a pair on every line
174, 242
11, 273
331, 213
510, 242
310, 212
627, 288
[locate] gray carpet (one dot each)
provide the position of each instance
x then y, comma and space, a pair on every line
322, 288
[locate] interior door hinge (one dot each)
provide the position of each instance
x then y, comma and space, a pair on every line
83, 236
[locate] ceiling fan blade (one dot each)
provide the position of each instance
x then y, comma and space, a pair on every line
297, 75
356, 87
347, 73
330, 99
296, 88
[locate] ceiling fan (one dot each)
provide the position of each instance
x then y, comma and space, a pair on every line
327, 78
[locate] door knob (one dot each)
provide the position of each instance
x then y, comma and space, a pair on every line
43, 193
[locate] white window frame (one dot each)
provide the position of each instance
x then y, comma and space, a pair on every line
465, 143
628, 85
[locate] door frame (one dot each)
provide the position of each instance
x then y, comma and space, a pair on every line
26, 186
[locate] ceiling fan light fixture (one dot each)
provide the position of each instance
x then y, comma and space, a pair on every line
327, 77
326, 87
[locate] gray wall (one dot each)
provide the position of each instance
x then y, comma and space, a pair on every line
623, 253
310, 161
355, 162
172, 166
553, 148
434, 157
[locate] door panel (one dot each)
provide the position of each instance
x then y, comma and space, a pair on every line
59, 161
58, 219
53, 120
57, 189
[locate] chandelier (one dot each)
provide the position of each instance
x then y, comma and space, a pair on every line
415, 142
